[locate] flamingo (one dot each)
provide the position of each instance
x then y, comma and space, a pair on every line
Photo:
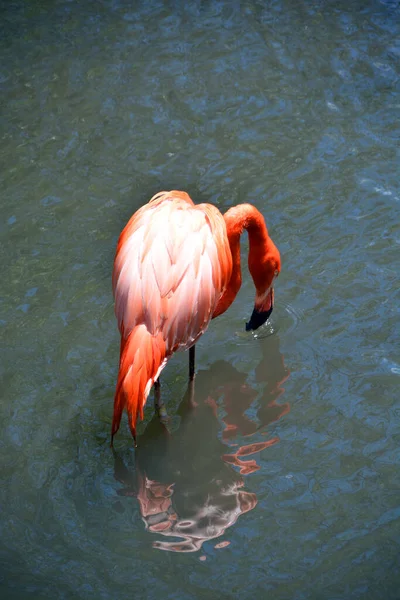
176, 267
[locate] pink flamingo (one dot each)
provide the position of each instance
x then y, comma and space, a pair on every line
177, 266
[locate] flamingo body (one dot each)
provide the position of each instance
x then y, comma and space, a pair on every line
172, 265
177, 265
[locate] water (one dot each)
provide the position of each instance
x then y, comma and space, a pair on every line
283, 479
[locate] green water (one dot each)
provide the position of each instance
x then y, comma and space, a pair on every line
283, 480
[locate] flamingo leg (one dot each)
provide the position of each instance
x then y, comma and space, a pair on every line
192, 402
191, 362
159, 405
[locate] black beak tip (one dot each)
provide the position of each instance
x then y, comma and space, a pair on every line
257, 319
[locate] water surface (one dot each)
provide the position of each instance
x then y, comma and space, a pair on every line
283, 477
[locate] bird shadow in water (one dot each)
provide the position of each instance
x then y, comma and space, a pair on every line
190, 485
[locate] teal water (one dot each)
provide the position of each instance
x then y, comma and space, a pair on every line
283, 480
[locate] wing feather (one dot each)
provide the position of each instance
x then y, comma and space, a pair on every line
172, 266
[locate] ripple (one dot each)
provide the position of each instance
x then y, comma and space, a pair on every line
287, 321
285, 318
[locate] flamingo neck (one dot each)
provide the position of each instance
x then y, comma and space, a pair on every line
237, 219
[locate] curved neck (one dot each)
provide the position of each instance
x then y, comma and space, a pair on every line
261, 251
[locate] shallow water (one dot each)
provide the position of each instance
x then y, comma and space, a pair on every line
283, 479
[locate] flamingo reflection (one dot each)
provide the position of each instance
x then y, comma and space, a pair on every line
207, 495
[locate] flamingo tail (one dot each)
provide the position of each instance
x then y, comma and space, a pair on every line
142, 358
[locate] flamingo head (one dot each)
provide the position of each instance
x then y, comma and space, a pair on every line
264, 268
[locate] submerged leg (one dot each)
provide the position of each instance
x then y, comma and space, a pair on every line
159, 406
191, 362
192, 402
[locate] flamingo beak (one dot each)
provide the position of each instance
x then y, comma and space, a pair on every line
261, 315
